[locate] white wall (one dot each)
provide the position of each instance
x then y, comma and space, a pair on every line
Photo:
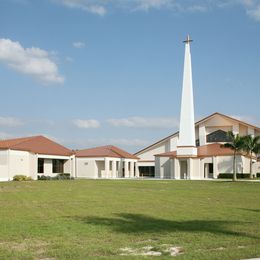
4, 165
86, 168
19, 163
157, 149
256, 167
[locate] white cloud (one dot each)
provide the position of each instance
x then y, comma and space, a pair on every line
30, 61
149, 4
254, 13
85, 5
142, 122
79, 45
10, 121
100, 7
69, 59
89, 123
93, 142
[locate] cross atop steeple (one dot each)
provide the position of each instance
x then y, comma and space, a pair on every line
188, 39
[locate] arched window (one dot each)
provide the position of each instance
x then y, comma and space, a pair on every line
218, 136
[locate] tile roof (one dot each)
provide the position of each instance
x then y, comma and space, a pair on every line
36, 144
208, 150
105, 151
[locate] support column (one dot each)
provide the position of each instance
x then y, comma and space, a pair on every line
120, 168
190, 170
126, 169
176, 169
137, 173
172, 169
215, 167
132, 165
107, 166
114, 169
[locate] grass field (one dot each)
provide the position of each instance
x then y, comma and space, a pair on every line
85, 219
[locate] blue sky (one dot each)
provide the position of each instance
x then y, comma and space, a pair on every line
96, 72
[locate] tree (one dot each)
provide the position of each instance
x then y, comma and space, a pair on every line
251, 146
236, 144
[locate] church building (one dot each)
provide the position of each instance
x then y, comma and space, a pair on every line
195, 152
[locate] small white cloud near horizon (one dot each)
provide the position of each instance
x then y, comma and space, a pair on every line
254, 13
142, 122
86, 123
10, 121
84, 5
94, 142
78, 45
32, 61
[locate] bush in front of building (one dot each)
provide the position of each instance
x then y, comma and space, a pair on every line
230, 175
43, 178
61, 176
20, 177
258, 175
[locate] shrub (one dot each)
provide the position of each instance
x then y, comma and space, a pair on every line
61, 176
230, 176
258, 175
43, 177
20, 177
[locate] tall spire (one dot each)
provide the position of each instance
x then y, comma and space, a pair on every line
187, 129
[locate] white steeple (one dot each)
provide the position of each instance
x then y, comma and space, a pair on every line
187, 143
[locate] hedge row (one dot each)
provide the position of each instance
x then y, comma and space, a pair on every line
239, 175
61, 176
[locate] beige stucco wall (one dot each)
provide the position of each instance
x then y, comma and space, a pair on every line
86, 168
4, 165
157, 149
19, 163
256, 167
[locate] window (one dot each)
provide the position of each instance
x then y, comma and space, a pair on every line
57, 166
40, 165
218, 136
146, 171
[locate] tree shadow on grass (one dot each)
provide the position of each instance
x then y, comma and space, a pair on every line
252, 210
139, 223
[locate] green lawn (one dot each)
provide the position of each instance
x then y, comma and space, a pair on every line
98, 218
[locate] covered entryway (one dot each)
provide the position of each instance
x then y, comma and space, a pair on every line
183, 169
208, 170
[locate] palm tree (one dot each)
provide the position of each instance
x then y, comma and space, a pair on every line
252, 146
236, 144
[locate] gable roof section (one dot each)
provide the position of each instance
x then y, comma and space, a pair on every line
196, 124
105, 151
36, 144
208, 150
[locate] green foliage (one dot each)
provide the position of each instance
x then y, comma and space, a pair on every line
44, 178
21, 177
236, 144
61, 176
230, 175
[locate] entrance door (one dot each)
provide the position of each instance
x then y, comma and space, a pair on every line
208, 170
184, 169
